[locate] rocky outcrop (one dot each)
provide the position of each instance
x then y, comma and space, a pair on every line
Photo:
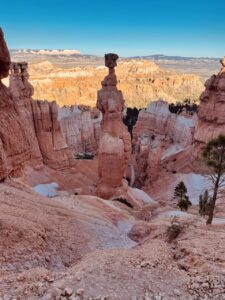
39, 120
81, 129
14, 145
212, 108
22, 92
115, 146
29, 130
54, 150
140, 80
160, 142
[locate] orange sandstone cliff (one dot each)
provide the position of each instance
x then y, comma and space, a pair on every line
29, 131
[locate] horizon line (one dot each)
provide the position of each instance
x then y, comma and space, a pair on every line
102, 55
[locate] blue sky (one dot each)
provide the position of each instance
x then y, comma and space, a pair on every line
184, 27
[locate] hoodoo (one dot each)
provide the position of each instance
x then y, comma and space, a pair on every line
115, 144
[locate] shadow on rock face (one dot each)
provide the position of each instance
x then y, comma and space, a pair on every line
4, 57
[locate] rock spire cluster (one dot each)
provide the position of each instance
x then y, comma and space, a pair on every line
29, 130
20, 86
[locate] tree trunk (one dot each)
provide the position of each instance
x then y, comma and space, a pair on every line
211, 212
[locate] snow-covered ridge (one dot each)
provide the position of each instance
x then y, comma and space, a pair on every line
50, 52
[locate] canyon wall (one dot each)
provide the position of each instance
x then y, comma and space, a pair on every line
29, 130
165, 143
39, 120
54, 150
212, 108
81, 129
159, 139
141, 82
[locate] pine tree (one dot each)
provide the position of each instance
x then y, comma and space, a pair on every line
214, 157
205, 202
180, 193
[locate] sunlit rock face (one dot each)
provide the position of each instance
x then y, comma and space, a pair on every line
160, 141
141, 81
168, 143
115, 145
39, 120
29, 130
212, 108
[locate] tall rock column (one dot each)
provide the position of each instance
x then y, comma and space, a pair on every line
21, 92
115, 144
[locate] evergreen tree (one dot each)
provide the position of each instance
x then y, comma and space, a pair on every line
180, 193
205, 202
214, 157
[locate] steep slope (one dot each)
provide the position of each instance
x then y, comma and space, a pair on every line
78, 245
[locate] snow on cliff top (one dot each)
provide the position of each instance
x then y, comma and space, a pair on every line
51, 52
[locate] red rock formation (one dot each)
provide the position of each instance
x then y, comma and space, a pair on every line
160, 142
141, 81
115, 145
81, 129
14, 145
40, 122
212, 108
54, 149
22, 91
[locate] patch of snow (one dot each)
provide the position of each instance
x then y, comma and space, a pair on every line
47, 190
218, 221
176, 213
196, 184
184, 121
159, 107
141, 196
173, 149
51, 52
